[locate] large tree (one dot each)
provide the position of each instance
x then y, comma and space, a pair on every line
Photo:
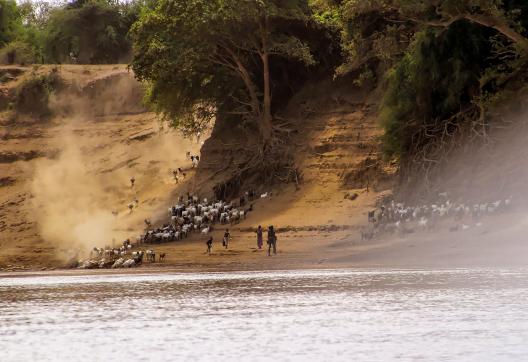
205, 56
94, 31
501, 15
370, 23
20, 32
10, 21
446, 65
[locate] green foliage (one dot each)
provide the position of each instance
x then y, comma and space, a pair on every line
35, 13
32, 96
443, 56
92, 31
22, 41
326, 12
208, 54
171, 50
381, 30
364, 77
10, 21
18, 52
436, 78
371, 33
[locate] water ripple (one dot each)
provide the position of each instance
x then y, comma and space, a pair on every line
365, 315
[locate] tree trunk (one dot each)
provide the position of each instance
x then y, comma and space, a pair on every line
266, 127
246, 78
263, 118
251, 89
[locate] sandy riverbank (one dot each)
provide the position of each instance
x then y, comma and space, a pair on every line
498, 243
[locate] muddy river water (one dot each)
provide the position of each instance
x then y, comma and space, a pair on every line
311, 315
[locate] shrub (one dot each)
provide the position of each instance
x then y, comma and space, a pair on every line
32, 96
17, 52
438, 76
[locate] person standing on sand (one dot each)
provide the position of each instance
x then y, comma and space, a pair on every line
132, 181
272, 241
209, 245
227, 236
259, 237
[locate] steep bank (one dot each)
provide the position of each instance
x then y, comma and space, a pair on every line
335, 140
63, 175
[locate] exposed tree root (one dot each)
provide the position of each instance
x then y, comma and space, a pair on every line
264, 166
434, 143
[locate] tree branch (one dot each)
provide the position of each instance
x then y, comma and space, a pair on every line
246, 78
494, 22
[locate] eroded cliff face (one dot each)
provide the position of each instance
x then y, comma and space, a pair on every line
65, 176
64, 173
40, 93
330, 132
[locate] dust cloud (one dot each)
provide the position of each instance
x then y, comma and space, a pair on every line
104, 136
114, 93
69, 202
81, 198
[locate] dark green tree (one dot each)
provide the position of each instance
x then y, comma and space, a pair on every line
438, 77
205, 56
446, 58
10, 21
93, 31
381, 28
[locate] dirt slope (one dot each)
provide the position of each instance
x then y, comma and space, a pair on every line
61, 178
58, 174
337, 146
316, 222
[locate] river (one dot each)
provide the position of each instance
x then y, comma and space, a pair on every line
311, 315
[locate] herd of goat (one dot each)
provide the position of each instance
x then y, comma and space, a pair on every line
198, 216
393, 217
117, 258
192, 215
